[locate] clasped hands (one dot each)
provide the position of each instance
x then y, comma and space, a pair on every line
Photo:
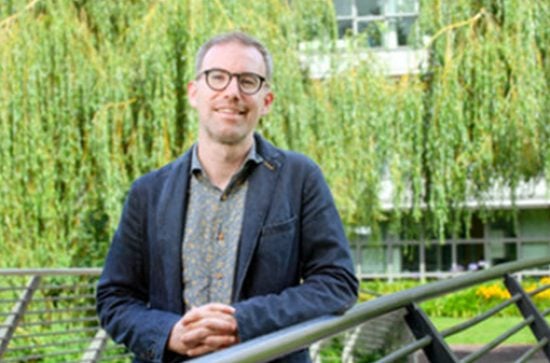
204, 329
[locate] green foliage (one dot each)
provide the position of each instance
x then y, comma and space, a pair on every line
486, 331
488, 95
462, 304
92, 95
332, 352
465, 303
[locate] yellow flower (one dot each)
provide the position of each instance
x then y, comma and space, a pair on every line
493, 291
545, 280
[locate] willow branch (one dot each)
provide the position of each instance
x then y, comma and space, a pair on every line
12, 18
460, 24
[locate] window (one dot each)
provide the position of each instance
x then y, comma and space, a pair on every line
384, 23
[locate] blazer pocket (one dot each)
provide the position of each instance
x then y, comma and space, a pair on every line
281, 227
276, 260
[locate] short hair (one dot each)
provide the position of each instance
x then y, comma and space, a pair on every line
235, 37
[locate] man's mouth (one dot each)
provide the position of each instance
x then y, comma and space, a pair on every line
230, 110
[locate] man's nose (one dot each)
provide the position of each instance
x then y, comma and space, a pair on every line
233, 87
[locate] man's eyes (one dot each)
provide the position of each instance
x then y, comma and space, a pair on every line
219, 77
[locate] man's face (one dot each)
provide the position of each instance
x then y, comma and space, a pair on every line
229, 116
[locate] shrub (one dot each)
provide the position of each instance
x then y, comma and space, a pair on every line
465, 303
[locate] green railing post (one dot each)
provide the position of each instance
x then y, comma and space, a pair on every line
539, 326
421, 326
8, 328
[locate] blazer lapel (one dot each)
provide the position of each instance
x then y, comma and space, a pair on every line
170, 224
261, 186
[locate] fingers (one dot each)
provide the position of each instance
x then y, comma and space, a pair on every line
207, 310
214, 317
175, 342
211, 344
213, 321
211, 325
205, 329
200, 331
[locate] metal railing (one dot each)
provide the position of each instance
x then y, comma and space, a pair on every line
49, 316
427, 337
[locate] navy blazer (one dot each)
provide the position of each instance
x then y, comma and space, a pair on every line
293, 261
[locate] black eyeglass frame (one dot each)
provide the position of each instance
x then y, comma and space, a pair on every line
263, 80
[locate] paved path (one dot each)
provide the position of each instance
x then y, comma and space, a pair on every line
503, 354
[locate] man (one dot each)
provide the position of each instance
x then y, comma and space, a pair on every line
233, 240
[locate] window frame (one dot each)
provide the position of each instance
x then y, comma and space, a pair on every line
389, 37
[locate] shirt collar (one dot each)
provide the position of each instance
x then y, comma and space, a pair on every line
252, 157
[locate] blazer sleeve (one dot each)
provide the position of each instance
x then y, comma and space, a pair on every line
328, 286
122, 291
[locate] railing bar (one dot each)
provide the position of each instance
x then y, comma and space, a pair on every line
51, 298
103, 359
539, 290
406, 350
53, 292
96, 346
11, 323
68, 286
528, 354
420, 325
56, 311
68, 310
12, 288
51, 272
64, 298
293, 338
438, 275
64, 342
54, 322
60, 332
527, 307
11, 313
108, 348
27, 358
416, 294
479, 318
9, 301
118, 356
495, 342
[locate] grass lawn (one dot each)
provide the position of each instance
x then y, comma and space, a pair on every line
485, 331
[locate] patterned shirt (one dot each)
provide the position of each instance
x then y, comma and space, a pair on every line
212, 232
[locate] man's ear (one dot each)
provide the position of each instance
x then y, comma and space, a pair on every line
269, 97
192, 93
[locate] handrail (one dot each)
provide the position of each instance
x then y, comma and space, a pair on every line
76, 271
263, 348
299, 336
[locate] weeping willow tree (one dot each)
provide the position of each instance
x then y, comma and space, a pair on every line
92, 95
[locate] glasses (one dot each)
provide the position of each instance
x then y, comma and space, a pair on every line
218, 80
